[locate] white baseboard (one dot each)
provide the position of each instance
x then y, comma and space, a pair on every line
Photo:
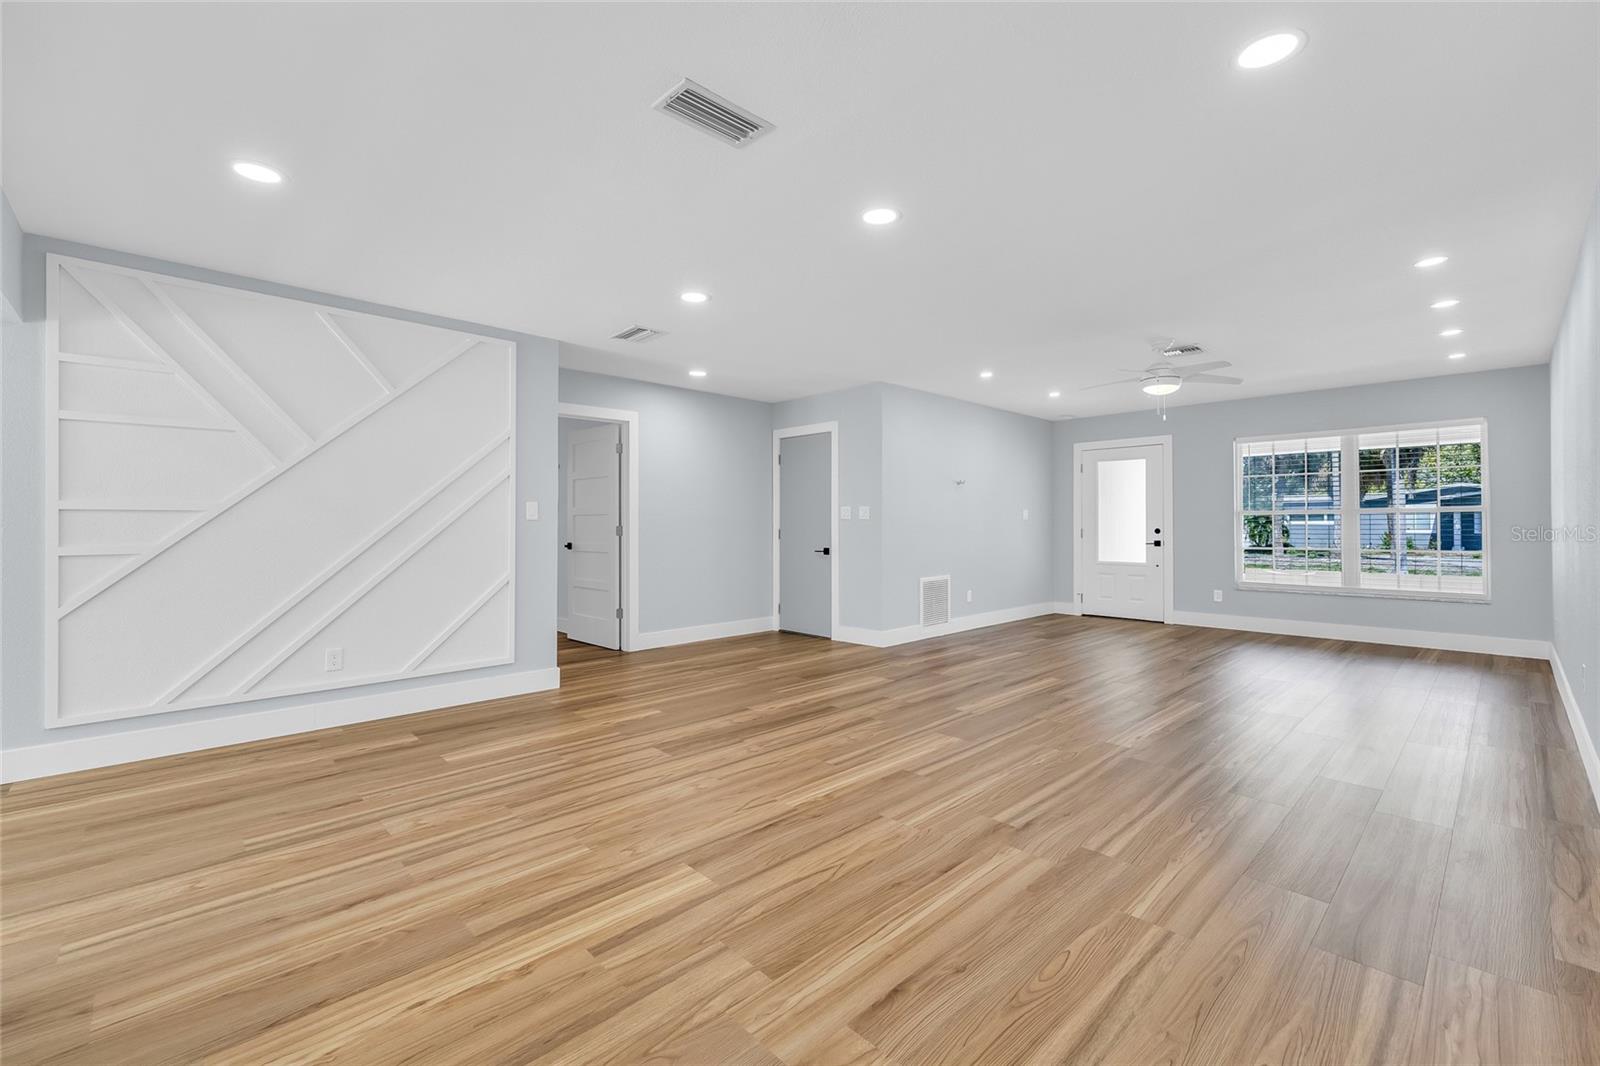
888, 638
1515, 647
133, 745
666, 638
1065, 607
1580, 731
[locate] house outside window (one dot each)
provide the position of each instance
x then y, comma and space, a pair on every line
1396, 511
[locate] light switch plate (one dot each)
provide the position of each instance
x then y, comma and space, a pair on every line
531, 509
863, 513
844, 511
1216, 595
333, 659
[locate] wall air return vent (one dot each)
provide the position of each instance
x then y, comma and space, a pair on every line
705, 110
935, 600
637, 334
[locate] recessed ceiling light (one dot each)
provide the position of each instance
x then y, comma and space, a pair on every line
697, 373
1055, 394
986, 374
1457, 355
256, 172
1449, 333
880, 216
1440, 305
1273, 48
692, 297
1430, 261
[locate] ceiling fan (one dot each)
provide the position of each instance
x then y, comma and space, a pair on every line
1163, 377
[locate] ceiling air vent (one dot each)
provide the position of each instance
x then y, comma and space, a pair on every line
935, 600
705, 110
637, 334
1182, 349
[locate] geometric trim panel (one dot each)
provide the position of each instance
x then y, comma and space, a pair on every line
251, 496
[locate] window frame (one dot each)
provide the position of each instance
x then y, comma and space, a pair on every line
1350, 513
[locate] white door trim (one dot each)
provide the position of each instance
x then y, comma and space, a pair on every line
1078, 484
630, 509
832, 430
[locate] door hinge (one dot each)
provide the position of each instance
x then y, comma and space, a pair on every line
1080, 597
1080, 533
619, 447
619, 531
780, 460
619, 612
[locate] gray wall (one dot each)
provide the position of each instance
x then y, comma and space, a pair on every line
901, 453
22, 504
974, 532
705, 499
1517, 405
1575, 481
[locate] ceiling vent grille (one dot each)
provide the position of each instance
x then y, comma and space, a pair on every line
935, 600
637, 334
705, 110
1182, 349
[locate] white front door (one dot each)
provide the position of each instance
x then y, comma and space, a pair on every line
1123, 503
594, 535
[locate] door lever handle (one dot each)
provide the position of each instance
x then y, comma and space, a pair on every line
1152, 544
821, 551
568, 545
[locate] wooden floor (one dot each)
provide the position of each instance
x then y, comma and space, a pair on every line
1058, 841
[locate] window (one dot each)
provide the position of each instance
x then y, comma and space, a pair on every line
1397, 512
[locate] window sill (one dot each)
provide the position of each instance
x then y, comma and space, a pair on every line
1373, 594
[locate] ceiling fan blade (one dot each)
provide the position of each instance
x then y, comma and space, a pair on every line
1201, 368
1213, 379
1108, 384
1133, 369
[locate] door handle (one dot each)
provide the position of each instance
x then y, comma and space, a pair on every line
568, 545
1147, 544
822, 551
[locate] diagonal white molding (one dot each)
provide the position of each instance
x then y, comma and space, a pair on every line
327, 573
216, 352
158, 421
256, 484
356, 594
460, 620
355, 350
148, 343
114, 363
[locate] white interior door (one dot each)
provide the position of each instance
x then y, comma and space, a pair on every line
1123, 501
594, 535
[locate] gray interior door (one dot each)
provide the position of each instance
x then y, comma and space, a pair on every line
805, 532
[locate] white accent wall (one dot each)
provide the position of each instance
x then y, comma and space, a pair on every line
246, 476
296, 498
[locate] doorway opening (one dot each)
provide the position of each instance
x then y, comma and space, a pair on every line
597, 553
1122, 539
805, 529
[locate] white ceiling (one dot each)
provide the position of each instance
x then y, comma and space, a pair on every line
1075, 180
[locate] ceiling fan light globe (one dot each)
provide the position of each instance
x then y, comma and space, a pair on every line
1162, 384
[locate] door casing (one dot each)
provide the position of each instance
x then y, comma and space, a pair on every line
630, 508
832, 429
1080, 486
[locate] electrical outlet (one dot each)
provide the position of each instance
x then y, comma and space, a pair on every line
844, 512
333, 659
863, 513
1024, 514
531, 510
1216, 595
969, 595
